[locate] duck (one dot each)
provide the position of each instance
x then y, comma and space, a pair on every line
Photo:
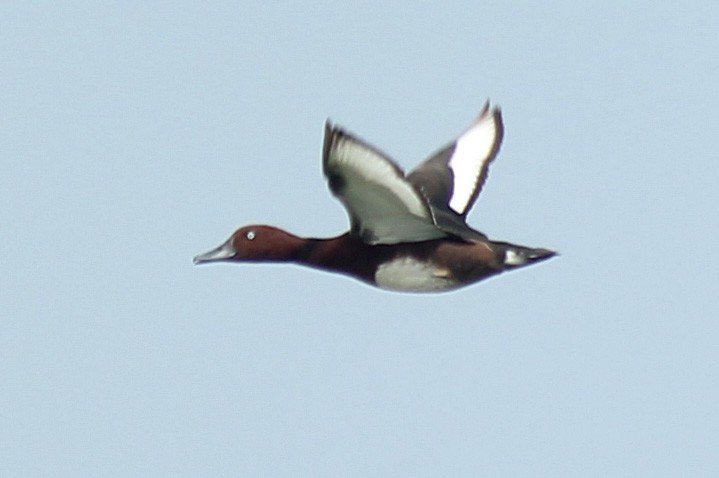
408, 232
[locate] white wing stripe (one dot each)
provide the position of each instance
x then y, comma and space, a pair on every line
375, 169
471, 152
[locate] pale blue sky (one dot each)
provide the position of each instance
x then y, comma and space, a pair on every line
133, 137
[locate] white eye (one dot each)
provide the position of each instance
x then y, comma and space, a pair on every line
250, 235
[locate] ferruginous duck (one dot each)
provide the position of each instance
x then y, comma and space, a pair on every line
408, 232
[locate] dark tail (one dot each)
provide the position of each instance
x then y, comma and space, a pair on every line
520, 256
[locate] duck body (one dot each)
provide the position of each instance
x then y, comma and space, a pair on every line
427, 266
407, 233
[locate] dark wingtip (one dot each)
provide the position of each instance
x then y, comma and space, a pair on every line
485, 108
488, 108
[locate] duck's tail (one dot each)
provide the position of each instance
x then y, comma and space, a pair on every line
520, 256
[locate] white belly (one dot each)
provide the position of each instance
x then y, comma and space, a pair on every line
408, 275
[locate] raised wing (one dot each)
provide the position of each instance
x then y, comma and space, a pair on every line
384, 208
452, 178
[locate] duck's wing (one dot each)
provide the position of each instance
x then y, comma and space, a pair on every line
384, 208
452, 178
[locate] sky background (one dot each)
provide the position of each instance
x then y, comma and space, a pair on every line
134, 136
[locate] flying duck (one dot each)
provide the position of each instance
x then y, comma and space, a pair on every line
408, 232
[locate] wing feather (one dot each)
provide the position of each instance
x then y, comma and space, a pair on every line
384, 208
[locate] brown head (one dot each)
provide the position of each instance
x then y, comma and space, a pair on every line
255, 244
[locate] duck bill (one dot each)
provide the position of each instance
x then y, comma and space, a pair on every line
222, 253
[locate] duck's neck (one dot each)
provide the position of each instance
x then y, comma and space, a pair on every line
318, 252
341, 254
